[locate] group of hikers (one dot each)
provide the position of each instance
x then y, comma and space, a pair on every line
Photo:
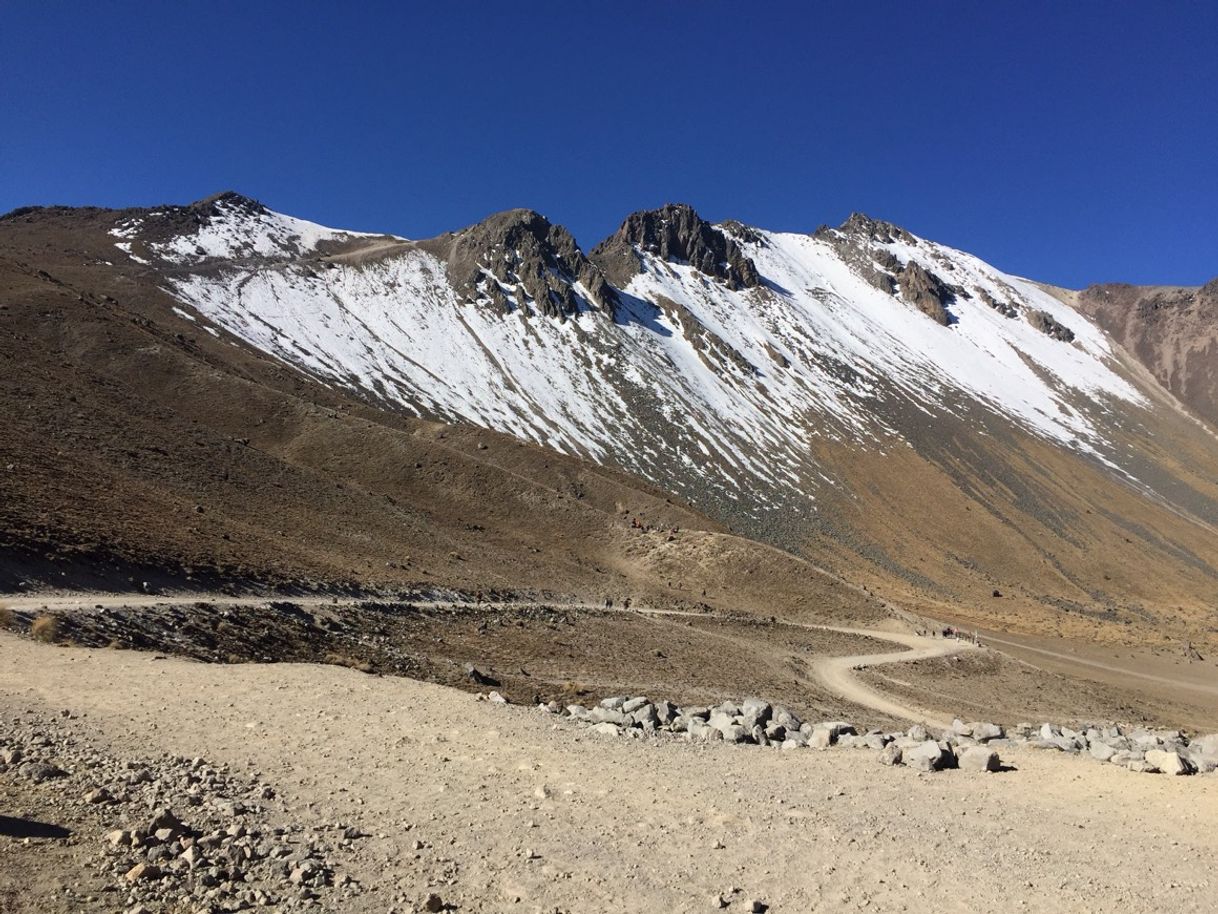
949, 631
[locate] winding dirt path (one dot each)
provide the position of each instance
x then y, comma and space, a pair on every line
837, 673
834, 673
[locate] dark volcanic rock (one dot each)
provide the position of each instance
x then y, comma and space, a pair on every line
676, 233
926, 292
857, 242
518, 259
1045, 323
1006, 309
861, 225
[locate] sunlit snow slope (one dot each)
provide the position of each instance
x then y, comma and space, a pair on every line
713, 391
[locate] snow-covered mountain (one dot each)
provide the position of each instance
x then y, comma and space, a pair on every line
964, 442
710, 359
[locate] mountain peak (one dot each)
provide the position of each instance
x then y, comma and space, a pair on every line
517, 259
228, 200
674, 232
862, 225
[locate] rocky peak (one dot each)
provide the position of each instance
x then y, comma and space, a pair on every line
860, 225
674, 233
519, 259
228, 201
860, 241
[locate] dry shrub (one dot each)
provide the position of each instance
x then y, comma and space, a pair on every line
7, 619
45, 628
351, 663
572, 692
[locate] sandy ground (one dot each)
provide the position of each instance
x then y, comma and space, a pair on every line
627, 825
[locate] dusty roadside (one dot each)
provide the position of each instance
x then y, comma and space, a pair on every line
516, 811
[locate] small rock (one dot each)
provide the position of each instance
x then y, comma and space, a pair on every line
41, 771
120, 837
890, 754
143, 872
433, 903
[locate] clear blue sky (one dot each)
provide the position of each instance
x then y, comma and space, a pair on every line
1074, 142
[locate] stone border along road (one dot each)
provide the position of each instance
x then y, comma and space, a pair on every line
834, 673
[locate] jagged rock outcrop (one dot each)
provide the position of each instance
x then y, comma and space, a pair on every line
857, 241
860, 225
519, 259
224, 203
1006, 309
675, 233
1045, 323
926, 292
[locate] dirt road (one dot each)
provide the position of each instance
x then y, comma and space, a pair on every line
837, 673
834, 673
513, 810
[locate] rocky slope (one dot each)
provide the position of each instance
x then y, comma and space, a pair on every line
1172, 330
899, 410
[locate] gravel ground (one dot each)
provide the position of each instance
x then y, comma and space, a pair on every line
502, 808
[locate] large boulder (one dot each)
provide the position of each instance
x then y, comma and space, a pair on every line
984, 732
979, 758
734, 733
1168, 762
721, 720
820, 738
929, 756
603, 715
1208, 745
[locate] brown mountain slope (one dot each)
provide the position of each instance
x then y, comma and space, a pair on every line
138, 435
138, 447
1172, 330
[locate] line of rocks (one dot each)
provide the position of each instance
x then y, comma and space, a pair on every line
177, 831
1138, 749
971, 746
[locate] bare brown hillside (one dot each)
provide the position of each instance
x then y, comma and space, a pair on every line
138, 447
144, 444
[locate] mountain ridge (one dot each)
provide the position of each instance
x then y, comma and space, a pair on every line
817, 409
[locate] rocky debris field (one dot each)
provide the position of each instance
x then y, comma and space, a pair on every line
166, 832
972, 746
374, 636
